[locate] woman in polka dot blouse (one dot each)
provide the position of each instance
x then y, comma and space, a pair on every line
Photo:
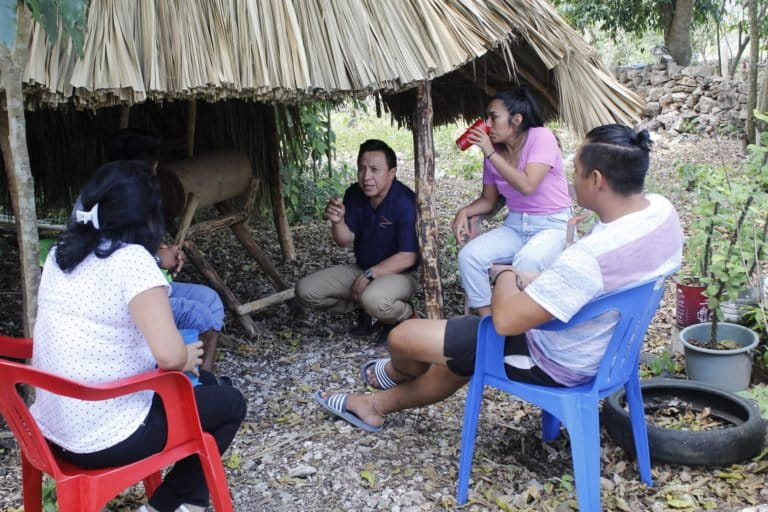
103, 314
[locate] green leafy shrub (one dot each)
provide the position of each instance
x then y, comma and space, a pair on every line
726, 239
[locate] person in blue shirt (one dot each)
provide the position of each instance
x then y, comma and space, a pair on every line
378, 218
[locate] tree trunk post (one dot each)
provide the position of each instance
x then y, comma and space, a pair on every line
678, 17
125, 117
754, 38
426, 224
276, 192
189, 135
13, 141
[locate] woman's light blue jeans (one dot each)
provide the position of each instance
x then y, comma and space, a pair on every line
528, 242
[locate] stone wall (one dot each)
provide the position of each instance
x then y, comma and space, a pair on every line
690, 99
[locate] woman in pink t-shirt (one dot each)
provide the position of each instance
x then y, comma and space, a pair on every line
523, 164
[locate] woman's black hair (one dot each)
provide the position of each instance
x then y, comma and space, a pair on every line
620, 154
129, 212
520, 101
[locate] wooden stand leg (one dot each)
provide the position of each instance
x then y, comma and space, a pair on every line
189, 212
254, 249
198, 260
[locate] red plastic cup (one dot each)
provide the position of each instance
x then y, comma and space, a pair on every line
463, 142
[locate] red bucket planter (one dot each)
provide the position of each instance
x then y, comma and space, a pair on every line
691, 305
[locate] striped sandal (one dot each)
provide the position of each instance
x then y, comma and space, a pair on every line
383, 380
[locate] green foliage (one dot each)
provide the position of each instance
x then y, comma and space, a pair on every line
305, 198
756, 319
661, 364
49, 496
7, 22
614, 17
727, 237
691, 174
759, 394
70, 14
307, 149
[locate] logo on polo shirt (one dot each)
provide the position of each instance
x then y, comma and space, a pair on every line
384, 222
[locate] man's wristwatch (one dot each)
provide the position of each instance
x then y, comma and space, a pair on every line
368, 273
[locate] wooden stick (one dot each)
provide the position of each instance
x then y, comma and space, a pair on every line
224, 221
258, 305
198, 260
189, 212
255, 250
10, 222
189, 147
250, 197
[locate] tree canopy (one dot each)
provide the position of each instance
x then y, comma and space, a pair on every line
672, 17
69, 14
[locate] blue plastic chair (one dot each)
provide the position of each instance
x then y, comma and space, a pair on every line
576, 407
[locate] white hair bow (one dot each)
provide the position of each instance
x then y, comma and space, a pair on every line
91, 216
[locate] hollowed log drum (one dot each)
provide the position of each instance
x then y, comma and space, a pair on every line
214, 175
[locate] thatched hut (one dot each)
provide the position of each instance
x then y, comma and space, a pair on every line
210, 73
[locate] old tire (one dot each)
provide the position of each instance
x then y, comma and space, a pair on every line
717, 447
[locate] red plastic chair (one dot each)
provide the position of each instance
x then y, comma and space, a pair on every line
88, 490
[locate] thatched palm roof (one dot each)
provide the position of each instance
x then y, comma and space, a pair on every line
291, 51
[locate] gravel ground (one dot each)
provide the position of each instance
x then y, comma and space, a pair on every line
289, 454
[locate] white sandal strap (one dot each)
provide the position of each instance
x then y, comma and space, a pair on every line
384, 381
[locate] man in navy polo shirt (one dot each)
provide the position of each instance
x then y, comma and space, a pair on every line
377, 217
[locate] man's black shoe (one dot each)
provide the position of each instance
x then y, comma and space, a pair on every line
364, 325
383, 334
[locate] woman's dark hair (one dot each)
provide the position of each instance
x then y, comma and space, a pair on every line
379, 145
520, 101
620, 154
129, 212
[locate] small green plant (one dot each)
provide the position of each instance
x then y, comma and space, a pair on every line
464, 168
306, 198
691, 174
49, 496
661, 364
756, 319
759, 394
687, 126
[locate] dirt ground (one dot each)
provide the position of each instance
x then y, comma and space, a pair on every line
289, 455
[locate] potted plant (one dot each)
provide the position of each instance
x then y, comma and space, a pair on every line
727, 238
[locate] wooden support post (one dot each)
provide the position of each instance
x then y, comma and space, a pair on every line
424, 166
198, 260
125, 116
189, 139
258, 305
186, 220
276, 187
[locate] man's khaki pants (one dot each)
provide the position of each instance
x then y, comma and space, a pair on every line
385, 298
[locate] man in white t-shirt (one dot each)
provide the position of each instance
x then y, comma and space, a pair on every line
638, 237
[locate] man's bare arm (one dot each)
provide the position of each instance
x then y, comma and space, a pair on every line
513, 311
